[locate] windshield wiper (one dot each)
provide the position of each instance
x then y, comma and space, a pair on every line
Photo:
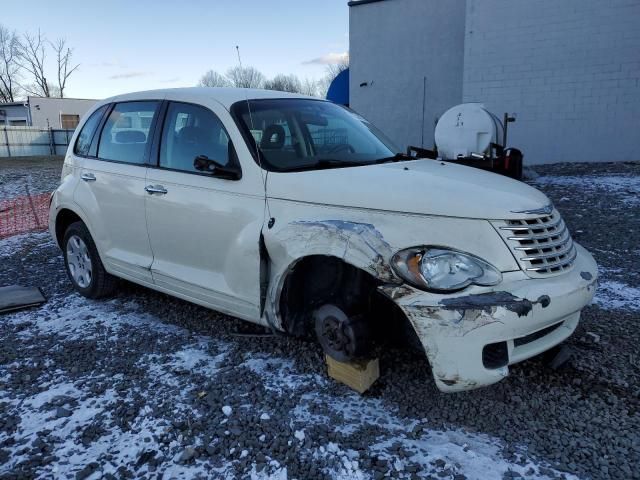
398, 157
329, 163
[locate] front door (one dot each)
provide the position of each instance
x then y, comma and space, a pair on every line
112, 189
204, 230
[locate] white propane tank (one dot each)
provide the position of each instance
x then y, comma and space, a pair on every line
466, 129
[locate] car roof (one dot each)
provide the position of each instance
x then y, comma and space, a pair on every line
226, 96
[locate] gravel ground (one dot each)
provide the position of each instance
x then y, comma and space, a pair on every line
145, 385
22, 175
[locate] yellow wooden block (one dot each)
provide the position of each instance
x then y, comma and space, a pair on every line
358, 376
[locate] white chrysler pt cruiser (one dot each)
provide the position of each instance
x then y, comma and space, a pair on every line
298, 214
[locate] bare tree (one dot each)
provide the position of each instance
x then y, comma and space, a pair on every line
284, 83
31, 56
309, 87
9, 67
331, 72
213, 79
65, 66
333, 69
245, 77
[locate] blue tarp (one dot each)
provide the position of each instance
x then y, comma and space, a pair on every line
339, 89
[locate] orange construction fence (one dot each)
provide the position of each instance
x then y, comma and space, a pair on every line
24, 214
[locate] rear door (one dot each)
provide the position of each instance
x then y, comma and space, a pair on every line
204, 230
112, 190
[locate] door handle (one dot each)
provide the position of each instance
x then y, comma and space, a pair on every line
151, 189
88, 177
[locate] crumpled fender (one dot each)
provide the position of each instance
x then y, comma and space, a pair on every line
366, 239
358, 244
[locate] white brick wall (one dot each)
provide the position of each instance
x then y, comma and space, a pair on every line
394, 44
570, 69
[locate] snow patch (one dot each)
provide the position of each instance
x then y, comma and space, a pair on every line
280, 374
626, 188
613, 295
35, 240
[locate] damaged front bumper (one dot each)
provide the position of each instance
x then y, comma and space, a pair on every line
472, 336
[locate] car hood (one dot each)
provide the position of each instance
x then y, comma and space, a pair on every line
427, 187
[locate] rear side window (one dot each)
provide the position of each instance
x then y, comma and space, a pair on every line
125, 135
83, 143
191, 131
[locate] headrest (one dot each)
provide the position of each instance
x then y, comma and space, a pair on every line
272, 137
130, 136
188, 135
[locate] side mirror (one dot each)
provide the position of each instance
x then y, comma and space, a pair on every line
204, 164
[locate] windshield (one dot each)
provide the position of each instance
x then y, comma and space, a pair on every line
304, 134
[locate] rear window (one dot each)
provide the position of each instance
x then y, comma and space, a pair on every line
125, 135
83, 143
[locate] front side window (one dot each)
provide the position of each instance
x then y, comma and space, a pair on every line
83, 143
192, 131
301, 134
125, 134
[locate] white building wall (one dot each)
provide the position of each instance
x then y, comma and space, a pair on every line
13, 112
570, 69
45, 112
394, 44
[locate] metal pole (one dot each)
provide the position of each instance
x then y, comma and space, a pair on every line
33, 207
424, 100
6, 139
504, 129
52, 148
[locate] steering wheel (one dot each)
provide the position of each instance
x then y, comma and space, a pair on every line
341, 147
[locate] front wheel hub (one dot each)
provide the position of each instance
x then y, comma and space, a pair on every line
343, 338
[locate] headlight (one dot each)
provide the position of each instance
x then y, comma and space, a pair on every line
435, 268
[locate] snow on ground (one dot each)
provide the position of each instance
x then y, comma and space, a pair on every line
613, 295
68, 407
39, 240
625, 188
15, 187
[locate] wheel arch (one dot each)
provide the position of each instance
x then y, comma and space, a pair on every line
317, 279
64, 218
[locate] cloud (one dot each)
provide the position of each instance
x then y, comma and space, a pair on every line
128, 75
108, 64
170, 80
328, 59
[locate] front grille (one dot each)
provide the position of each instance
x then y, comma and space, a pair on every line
542, 245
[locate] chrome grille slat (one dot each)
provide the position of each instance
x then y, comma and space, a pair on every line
558, 243
539, 236
543, 244
561, 263
543, 256
532, 226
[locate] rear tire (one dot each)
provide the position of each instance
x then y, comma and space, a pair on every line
83, 265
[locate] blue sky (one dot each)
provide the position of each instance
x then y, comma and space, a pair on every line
128, 45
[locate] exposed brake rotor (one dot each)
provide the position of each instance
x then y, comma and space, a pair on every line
343, 338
